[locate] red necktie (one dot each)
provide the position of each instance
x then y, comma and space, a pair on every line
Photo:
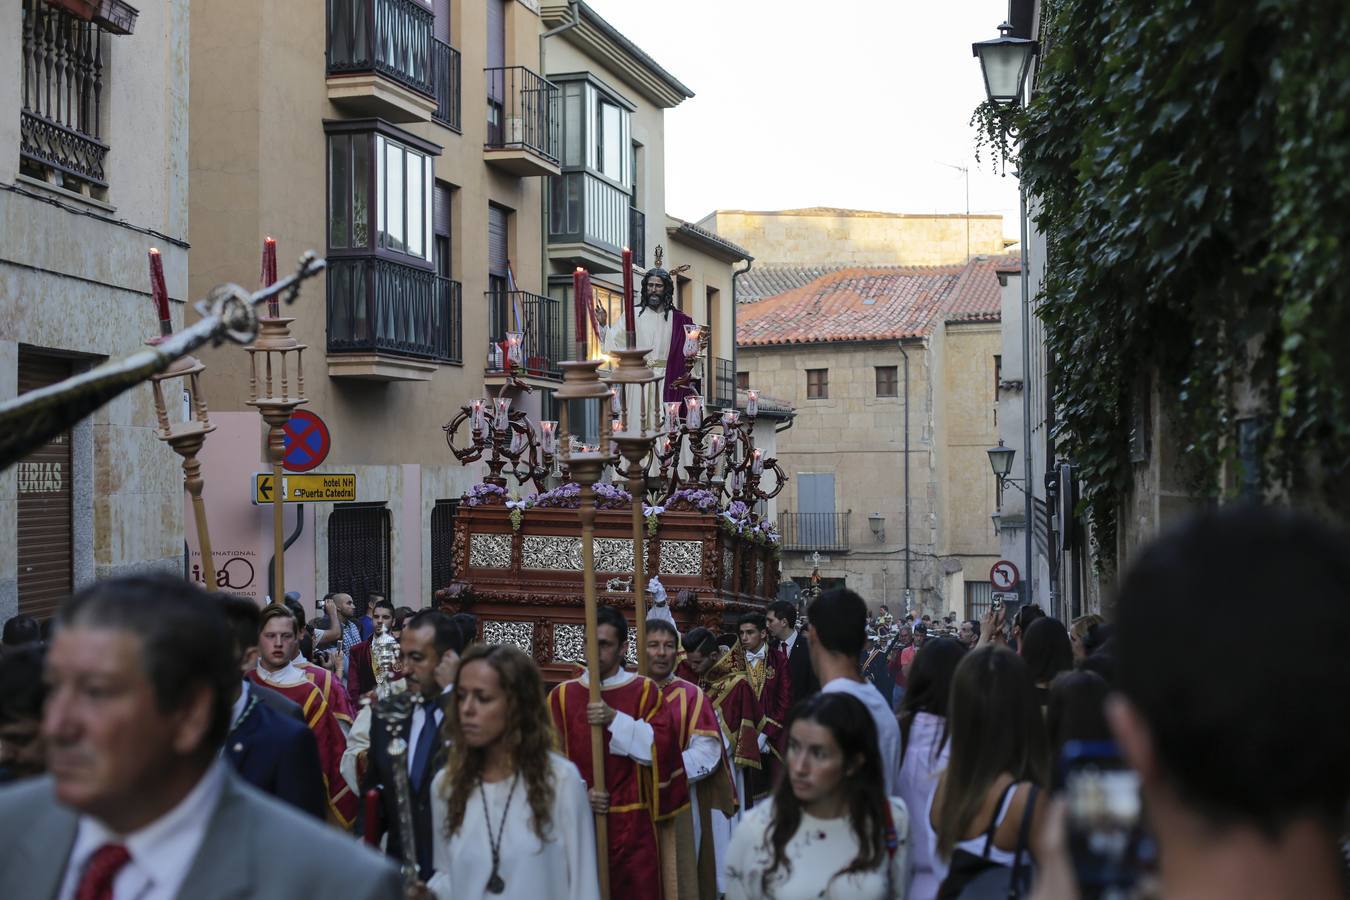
103, 867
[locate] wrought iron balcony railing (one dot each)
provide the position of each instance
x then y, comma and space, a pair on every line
391, 37
445, 77
379, 306
814, 531
59, 124
522, 111
637, 236
538, 318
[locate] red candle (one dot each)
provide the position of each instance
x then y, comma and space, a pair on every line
269, 274
160, 293
372, 824
630, 321
580, 295
506, 356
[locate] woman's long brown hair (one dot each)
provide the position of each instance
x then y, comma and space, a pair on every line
995, 727
528, 738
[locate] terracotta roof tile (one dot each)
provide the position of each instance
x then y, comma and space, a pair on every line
869, 303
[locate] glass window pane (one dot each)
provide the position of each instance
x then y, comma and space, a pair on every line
574, 124
360, 190
611, 159
394, 232
339, 175
380, 190
427, 189
416, 208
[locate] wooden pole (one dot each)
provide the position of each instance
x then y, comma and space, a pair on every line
192, 478
636, 487
278, 535
585, 476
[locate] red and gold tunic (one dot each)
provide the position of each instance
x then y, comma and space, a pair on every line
731, 695
319, 716
334, 694
639, 795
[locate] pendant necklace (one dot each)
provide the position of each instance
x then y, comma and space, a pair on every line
495, 884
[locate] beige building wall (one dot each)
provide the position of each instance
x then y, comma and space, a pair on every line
258, 152
74, 282
813, 237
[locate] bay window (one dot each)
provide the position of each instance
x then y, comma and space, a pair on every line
380, 186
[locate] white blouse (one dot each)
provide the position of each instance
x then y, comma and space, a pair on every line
819, 849
562, 868
925, 759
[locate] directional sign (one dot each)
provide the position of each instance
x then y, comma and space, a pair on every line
1004, 576
318, 487
307, 441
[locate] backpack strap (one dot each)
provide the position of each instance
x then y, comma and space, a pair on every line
993, 820
1023, 840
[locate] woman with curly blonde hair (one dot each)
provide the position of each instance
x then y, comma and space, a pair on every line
515, 820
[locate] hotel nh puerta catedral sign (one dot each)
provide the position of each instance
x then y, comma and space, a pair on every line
315, 487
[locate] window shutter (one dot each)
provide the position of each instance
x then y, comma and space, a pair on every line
440, 210
496, 34
497, 251
441, 26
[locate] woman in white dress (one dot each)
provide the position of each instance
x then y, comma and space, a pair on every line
924, 747
513, 819
829, 831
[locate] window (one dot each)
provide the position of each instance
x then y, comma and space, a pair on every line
358, 550
374, 166
998, 375
742, 381
442, 543
609, 140
817, 384
979, 597
441, 221
887, 382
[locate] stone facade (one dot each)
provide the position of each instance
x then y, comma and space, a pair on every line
74, 285
822, 236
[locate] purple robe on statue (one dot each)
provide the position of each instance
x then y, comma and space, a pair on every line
675, 364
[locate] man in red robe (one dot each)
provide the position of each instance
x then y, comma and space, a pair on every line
360, 664
644, 767
766, 668
705, 766
275, 671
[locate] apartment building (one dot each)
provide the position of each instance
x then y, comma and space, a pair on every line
93, 173
454, 160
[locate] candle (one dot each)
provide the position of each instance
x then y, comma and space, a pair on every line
511, 349
269, 274
673, 416
665, 445
502, 417
615, 404
580, 288
695, 411
160, 293
629, 318
757, 461
518, 442
476, 418
714, 446
617, 426
691, 336
548, 430
730, 417
752, 403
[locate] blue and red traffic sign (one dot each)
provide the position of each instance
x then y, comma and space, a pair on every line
307, 441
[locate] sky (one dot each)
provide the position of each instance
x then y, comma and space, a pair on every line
860, 104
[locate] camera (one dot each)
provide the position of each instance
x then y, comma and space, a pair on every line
1107, 840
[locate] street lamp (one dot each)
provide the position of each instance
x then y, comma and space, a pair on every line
1001, 460
877, 522
1004, 60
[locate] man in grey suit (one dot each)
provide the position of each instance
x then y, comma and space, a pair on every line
138, 802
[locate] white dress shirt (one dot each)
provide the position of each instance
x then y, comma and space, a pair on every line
161, 852
288, 675
888, 730
628, 737
789, 642
419, 721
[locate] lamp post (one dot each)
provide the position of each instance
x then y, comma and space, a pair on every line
877, 522
1005, 62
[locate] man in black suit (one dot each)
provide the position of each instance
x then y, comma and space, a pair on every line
268, 743
431, 644
782, 622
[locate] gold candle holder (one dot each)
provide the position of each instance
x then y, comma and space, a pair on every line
270, 393
186, 438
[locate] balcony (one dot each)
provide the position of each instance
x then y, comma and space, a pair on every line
722, 385
445, 77
59, 131
380, 60
814, 531
637, 236
589, 221
391, 322
523, 123
540, 320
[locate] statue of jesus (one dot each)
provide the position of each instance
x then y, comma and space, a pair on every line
660, 327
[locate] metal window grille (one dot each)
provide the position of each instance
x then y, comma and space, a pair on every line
979, 597
442, 543
358, 550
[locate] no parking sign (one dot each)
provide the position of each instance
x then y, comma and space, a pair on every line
307, 441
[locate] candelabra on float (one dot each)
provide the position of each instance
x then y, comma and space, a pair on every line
185, 437
273, 399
